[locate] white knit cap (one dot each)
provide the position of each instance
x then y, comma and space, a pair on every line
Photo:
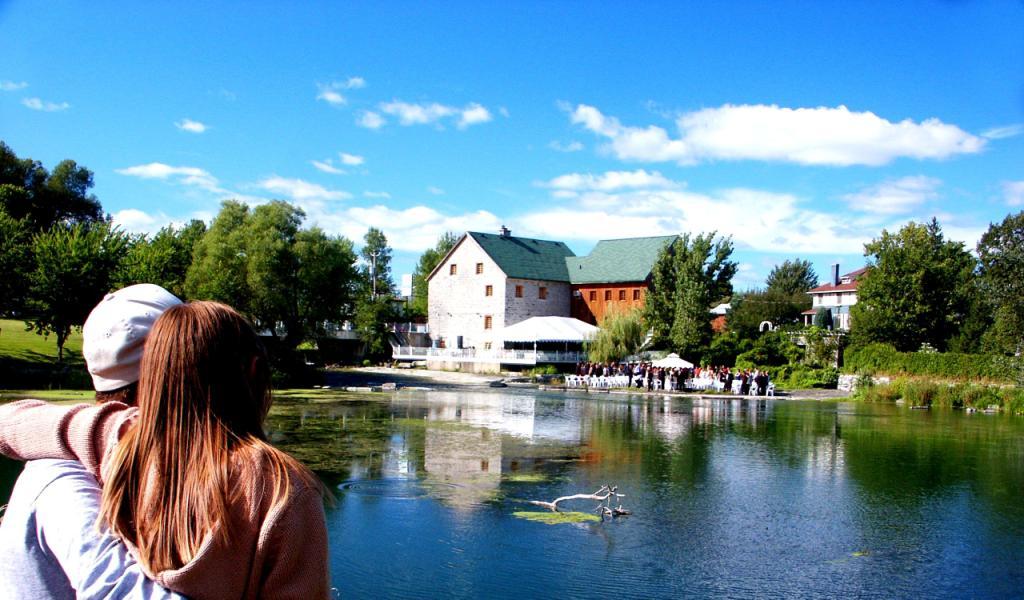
115, 331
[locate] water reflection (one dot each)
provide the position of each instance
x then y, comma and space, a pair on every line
739, 497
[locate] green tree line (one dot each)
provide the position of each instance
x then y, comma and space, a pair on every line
59, 254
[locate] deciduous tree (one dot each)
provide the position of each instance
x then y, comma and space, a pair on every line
792, 277
688, 277
917, 290
164, 259
621, 334
74, 268
1001, 281
15, 262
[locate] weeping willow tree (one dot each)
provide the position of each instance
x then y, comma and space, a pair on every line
621, 334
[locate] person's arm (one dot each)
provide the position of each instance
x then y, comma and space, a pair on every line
294, 545
31, 429
98, 565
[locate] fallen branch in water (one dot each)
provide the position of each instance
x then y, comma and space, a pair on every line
603, 495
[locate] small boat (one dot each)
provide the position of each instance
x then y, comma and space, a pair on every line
498, 383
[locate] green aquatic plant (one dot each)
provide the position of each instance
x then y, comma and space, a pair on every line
555, 518
524, 477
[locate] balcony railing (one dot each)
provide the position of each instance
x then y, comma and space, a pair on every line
515, 357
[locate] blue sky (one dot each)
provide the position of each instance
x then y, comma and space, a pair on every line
800, 129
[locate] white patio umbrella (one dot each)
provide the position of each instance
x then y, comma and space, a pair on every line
672, 361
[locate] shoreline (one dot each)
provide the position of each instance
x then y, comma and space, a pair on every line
368, 377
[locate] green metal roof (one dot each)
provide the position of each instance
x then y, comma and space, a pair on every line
618, 261
526, 258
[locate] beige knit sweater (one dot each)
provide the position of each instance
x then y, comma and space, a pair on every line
274, 553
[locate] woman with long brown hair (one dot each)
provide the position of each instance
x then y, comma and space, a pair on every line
190, 483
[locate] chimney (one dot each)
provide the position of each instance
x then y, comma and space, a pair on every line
505, 232
835, 274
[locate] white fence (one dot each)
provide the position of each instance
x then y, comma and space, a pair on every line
514, 357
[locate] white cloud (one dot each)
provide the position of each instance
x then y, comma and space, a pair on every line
503, 111
1014, 192
45, 106
809, 136
327, 167
371, 120
191, 126
413, 229
300, 190
616, 205
12, 86
434, 113
138, 221
610, 181
383, 195
353, 160
895, 197
573, 146
132, 219
473, 114
329, 93
192, 176
416, 114
436, 191
998, 133
354, 83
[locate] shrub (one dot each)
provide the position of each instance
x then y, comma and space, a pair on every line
882, 358
920, 393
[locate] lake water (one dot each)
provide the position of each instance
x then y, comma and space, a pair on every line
768, 498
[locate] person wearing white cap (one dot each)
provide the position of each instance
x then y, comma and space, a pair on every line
113, 336
49, 544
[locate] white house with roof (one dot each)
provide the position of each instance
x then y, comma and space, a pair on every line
487, 283
838, 295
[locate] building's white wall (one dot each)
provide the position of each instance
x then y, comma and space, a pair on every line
835, 299
840, 304
458, 304
530, 305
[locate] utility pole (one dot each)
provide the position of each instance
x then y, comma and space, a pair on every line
373, 271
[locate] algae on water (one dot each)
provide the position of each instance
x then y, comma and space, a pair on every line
555, 518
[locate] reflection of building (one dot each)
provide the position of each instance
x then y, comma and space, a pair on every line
838, 295
468, 458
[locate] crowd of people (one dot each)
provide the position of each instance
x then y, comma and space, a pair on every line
645, 375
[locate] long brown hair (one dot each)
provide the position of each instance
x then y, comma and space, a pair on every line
204, 391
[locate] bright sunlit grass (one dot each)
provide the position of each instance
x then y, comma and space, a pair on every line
19, 344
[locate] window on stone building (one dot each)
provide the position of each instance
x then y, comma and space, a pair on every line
519, 291
489, 290
479, 268
622, 294
636, 294
487, 322
453, 269
607, 295
593, 296
542, 293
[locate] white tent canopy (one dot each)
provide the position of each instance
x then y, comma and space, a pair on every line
672, 361
549, 329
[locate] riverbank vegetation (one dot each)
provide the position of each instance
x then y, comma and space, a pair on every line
925, 393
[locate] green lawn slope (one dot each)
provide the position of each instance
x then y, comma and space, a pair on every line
29, 360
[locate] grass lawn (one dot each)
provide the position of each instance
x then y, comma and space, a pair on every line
55, 396
18, 344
